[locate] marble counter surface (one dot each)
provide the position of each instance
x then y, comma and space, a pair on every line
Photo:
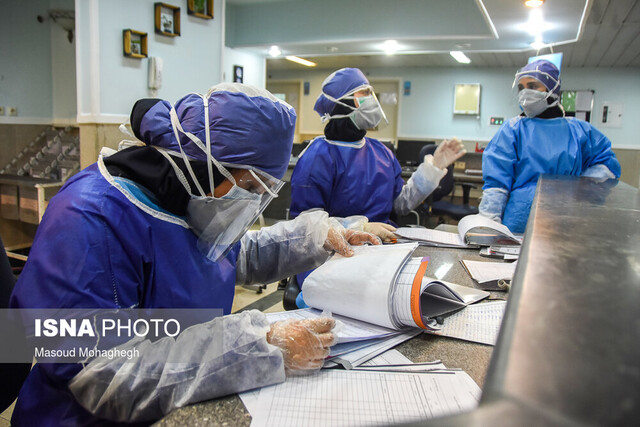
471, 357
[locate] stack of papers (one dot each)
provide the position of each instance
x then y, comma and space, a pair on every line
478, 323
357, 341
488, 274
382, 393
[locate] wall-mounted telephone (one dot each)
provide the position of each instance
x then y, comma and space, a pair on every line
155, 74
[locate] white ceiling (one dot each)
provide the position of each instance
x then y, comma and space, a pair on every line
590, 33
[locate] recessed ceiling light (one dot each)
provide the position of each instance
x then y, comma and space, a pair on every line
275, 51
533, 3
390, 47
460, 57
300, 61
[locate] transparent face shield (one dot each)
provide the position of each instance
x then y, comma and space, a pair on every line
220, 222
534, 102
367, 115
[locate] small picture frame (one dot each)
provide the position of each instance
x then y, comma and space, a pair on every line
134, 43
167, 19
238, 74
200, 8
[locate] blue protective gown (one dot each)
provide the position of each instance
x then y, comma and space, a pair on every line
104, 243
96, 249
525, 148
345, 180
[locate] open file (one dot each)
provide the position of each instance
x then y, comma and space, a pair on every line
385, 286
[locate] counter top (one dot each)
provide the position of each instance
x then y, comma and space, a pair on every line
471, 357
568, 351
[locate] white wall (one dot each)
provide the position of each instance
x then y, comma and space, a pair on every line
253, 67
109, 83
25, 61
63, 70
427, 111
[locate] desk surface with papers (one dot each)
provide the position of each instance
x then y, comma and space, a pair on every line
572, 362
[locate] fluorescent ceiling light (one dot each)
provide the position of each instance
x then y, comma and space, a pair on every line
301, 61
390, 47
460, 57
533, 3
274, 51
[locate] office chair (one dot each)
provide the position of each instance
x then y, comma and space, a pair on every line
435, 207
12, 374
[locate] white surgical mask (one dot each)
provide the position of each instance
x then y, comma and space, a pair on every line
220, 222
534, 102
367, 115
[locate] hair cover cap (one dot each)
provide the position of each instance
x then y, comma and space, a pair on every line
536, 70
338, 84
247, 126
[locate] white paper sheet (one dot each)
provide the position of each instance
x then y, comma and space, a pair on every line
478, 323
358, 286
438, 237
358, 357
471, 221
482, 271
347, 329
354, 398
390, 357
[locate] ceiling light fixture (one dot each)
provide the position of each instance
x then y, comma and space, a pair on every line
538, 43
275, 51
300, 61
460, 57
390, 47
533, 3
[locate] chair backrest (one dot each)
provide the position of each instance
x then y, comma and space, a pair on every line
7, 279
446, 183
13, 374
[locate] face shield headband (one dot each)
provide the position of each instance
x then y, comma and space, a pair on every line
367, 115
220, 222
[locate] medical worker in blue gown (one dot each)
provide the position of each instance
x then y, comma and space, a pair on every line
352, 176
539, 141
163, 225
346, 173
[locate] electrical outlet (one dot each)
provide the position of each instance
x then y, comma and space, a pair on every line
1, 111
13, 111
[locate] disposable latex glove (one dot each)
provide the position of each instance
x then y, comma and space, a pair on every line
448, 152
339, 240
304, 343
380, 229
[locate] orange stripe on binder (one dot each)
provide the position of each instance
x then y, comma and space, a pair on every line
415, 293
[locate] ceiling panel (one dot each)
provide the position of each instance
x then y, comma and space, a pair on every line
631, 53
610, 37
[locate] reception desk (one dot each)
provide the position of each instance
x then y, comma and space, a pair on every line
568, 352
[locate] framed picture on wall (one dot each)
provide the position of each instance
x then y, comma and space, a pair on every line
134, 43
238, 74
167, 19
200, 8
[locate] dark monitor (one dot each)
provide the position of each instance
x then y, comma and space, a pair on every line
408, 152
296, 149
390, 146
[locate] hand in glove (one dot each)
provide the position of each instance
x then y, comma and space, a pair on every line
448, 152
339, 239
304, 343
380, 229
